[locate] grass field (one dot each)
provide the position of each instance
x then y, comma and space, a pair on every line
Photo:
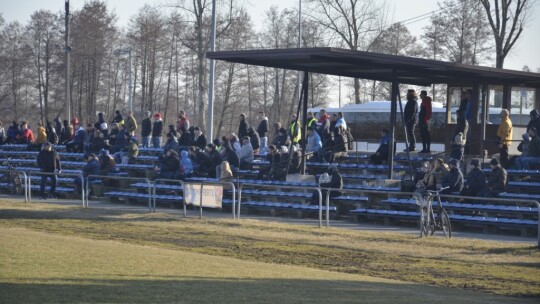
51, 253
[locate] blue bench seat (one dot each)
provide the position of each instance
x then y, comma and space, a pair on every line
36, 188
274, 205
466, 206
133, 195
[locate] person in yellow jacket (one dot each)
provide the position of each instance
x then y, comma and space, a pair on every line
130, 123
294, 131
505, 134
41, 135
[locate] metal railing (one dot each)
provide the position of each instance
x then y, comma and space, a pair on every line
317, 189
205, 182
103, 177
25, 181
165, 180
512, 201
39, 173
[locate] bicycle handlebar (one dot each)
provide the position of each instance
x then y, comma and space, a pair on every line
437, 191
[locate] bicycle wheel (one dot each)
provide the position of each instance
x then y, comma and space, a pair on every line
16, 184
424, 222
445, 224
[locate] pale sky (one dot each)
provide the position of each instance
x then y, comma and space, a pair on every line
525, 52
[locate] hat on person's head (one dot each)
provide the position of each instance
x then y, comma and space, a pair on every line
74, 121
494, 162
534, 113
148, 113
454, 162
245, 138
157, 115
475, 162
332, 167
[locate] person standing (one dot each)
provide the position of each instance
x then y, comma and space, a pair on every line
262, 130
295, 132
48, 162
243, 126
424, 121
130, 123
183, 121
411, 113
157, 129
505, 134
146, 132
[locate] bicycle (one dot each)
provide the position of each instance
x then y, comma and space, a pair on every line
12, 178
429, 221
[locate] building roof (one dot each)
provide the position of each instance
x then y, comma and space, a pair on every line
375, 66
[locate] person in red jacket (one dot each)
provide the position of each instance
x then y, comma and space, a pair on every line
25, 136
424, 122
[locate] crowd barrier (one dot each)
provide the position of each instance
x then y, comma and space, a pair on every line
39, 173
25, 181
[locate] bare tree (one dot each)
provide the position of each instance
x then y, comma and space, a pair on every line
507, 19
354, 22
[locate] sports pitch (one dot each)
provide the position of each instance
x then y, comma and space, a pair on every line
52, 254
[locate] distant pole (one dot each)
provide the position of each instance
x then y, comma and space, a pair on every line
210, 129
299, 42
67, 49
130, 85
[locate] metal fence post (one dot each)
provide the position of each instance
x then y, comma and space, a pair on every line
200, 202
29, 187
240, 187
233, 200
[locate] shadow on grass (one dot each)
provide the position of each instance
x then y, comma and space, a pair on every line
206, 290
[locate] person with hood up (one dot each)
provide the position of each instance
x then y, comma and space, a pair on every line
245, 155
169, 165
186, 166
254, 139
331, 179
157, 129
410, 114
171, 143
118, 118
107, 164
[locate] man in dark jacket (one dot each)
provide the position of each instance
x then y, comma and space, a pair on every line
533, 155
107, 164
243, 126
146, 131
215, 158
262, 130
424, 122
157, 129
454, 178
91, 168
170, 165
411, 110
254, 139
497, 180
476, 180
199, 140
48, 162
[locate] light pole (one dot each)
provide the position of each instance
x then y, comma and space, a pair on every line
124, 51
67, 49
210, 124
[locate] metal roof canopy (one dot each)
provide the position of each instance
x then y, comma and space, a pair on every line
375, 66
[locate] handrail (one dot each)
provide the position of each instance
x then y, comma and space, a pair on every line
126, 178
507, 200
209, 182
318, 189
415, 195
40, 173
25, 185
157, 181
